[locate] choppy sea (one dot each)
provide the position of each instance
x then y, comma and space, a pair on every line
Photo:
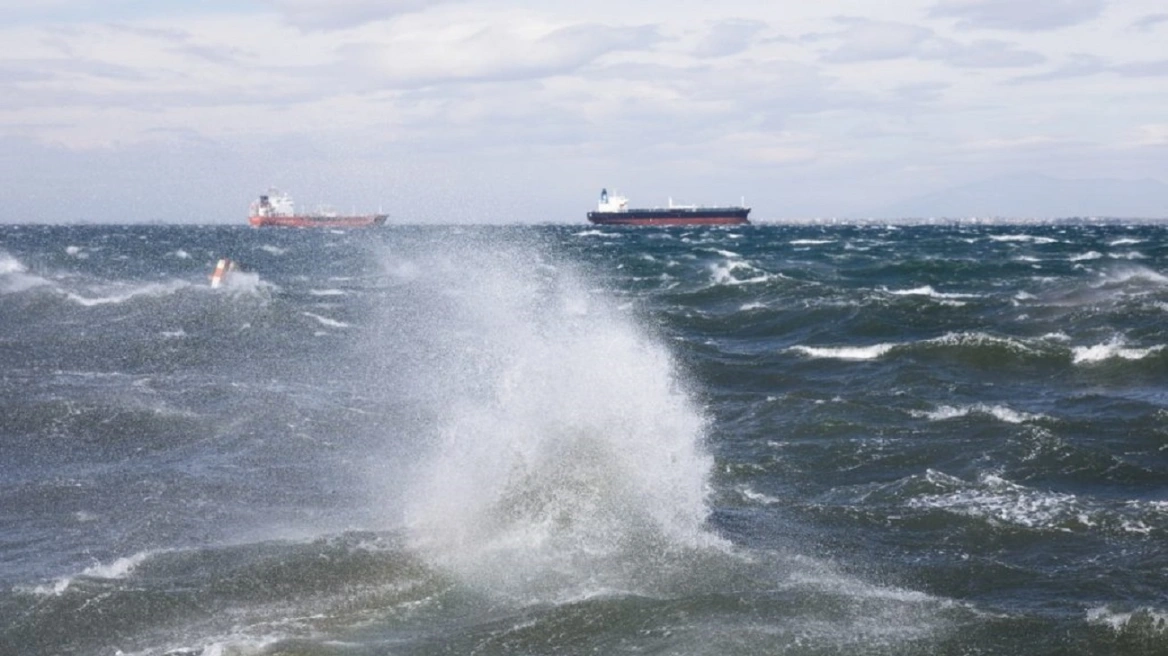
764, 439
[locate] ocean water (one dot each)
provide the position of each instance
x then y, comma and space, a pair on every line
569, 440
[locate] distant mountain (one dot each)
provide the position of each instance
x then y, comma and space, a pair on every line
1038, 196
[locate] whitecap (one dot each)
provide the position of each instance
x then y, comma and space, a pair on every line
1114, 348
729, 273
14, 276
846, 352
1085, 257
1118, 620
927, 290
151, 289
1000, 412
1023, 237
332, 323
759, 497
9, 264
118, 569
996, 499
978, 339
1134, 273
727, 254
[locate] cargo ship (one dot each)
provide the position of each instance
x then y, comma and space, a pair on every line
614, 210
276, 209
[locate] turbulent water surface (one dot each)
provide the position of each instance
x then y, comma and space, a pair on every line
569, 440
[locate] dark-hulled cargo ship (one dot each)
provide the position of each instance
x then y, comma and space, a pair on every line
614, 210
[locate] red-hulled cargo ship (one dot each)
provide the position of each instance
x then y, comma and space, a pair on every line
614, 210
276, 209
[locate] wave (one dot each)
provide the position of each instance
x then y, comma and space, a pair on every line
927, 290
979, 339
846, 352
326, 321
1144, 620
1003, 413
14, 276
954, 339
115, 570
1023, 238
1124, 274
1115, 348
738, 272
994, 499
9, 264
997, 499
150, 289
246, 283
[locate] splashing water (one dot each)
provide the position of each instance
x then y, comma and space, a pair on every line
566, 458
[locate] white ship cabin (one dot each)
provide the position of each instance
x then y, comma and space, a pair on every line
273, 203
613, 203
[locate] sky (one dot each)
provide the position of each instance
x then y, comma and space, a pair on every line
503, 111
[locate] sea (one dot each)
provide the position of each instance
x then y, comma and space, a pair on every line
890, 439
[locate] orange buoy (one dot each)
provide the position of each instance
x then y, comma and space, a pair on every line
221, 270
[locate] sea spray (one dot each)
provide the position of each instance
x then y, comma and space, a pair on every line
565, 456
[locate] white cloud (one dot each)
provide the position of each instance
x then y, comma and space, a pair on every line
865, 40
1030, 141
729, 37
494, 51
868, 40
1025, 15
342, 14
1152, 134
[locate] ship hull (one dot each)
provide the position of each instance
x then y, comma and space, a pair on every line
673, 216
364, 221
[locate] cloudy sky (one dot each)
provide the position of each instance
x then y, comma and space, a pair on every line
520, 111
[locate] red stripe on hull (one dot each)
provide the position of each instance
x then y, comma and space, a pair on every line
317, 221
